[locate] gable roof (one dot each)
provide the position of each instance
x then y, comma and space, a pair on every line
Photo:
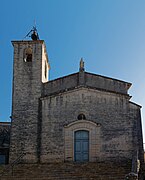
85, 79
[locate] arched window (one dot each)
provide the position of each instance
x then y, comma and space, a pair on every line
28, 55
81, 117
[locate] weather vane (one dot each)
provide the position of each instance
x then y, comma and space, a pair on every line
33, 33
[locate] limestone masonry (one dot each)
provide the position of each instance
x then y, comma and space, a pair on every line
82, 117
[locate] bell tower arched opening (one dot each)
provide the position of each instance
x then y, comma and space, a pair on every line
28, 55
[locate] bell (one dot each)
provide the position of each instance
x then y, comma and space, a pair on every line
34, 36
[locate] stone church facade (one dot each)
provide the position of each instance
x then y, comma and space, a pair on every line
82, 117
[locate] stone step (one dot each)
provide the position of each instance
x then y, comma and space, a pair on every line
68, 171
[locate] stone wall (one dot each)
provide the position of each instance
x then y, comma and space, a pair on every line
110, 110
43, 113
27, 88
61, 84
88, 80
105, 83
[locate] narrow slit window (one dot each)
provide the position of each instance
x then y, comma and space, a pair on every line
45, 70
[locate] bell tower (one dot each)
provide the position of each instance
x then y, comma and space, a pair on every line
30, 71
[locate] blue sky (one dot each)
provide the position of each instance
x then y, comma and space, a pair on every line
108, 34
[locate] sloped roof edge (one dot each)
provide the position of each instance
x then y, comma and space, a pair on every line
129, 84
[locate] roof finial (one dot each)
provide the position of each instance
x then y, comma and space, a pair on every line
82, 65
33, 33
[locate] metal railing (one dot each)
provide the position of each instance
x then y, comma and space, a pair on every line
11, 165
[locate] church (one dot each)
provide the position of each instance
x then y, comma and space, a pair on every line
81, 118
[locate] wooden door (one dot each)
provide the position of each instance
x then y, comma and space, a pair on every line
81, 146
